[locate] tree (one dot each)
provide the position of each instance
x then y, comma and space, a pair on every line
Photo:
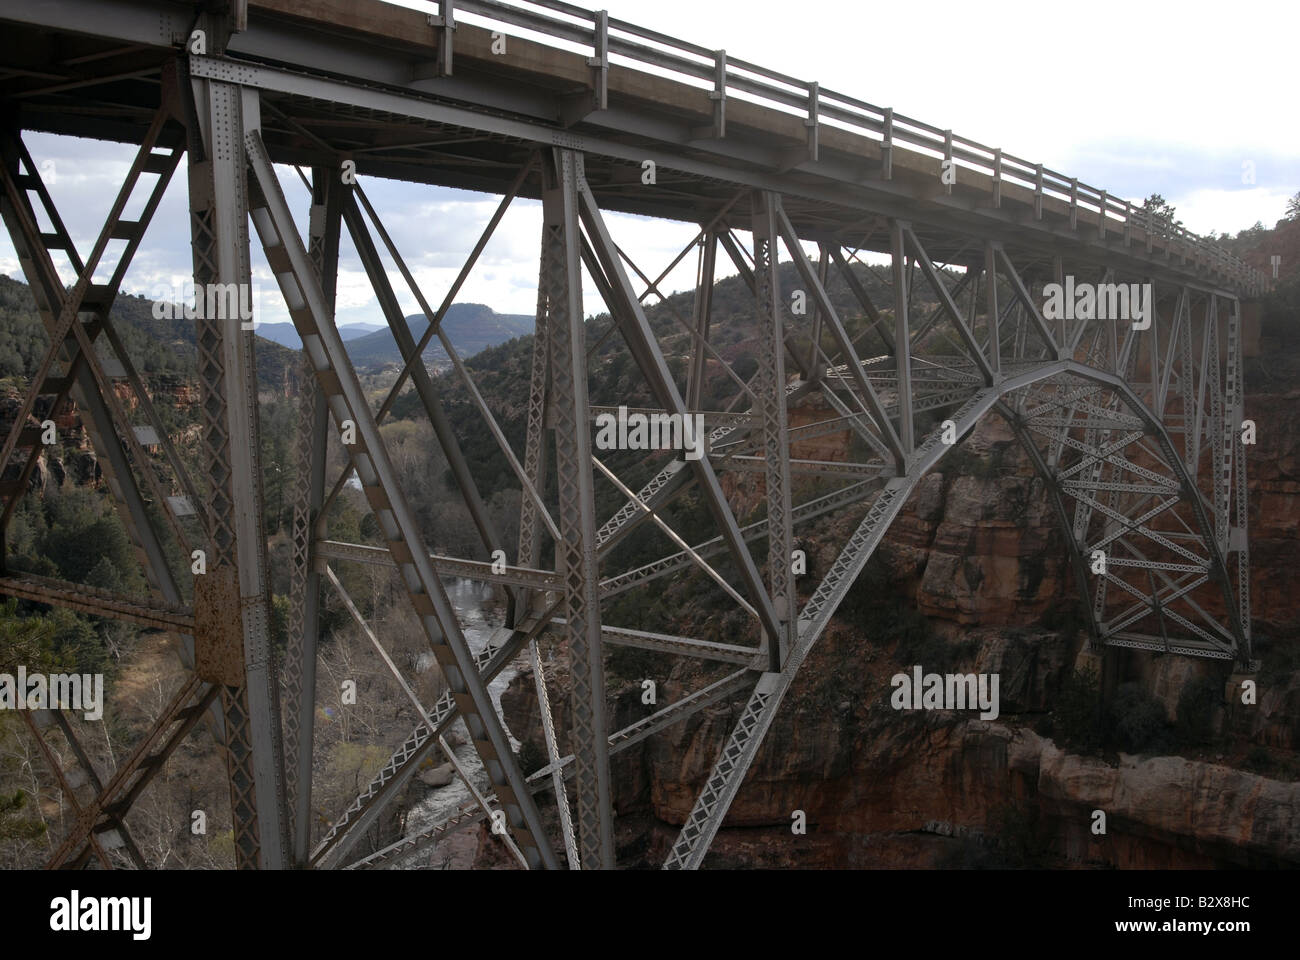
1293, 207
1161, 209
13, 823
105, 576
28, 641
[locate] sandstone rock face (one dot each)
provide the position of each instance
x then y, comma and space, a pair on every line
872, 785
978, 537
76, 464
977, 550
1202, 810
1274, 474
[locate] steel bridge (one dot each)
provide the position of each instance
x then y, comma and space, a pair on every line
1133, 429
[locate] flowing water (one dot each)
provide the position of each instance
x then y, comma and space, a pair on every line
479, 614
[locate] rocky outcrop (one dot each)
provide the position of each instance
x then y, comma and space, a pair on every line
881, 787
72, 461
977, 542
164, 388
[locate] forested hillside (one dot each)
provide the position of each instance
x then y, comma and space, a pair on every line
156, 346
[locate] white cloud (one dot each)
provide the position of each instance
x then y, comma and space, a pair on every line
1230, 210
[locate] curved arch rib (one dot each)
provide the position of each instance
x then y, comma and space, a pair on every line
742, 746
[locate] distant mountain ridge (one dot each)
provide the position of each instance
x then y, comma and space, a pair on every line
286, 335
470, 326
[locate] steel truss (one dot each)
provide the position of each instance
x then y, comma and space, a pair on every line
1134, 433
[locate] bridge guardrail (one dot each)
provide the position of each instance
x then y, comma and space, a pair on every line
608, 36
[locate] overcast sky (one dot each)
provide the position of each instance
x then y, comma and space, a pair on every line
1132, 97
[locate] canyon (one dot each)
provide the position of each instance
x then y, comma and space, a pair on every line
978, 555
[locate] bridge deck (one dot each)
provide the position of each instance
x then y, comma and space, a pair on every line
363, 79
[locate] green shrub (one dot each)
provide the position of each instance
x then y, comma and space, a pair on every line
15, 824
1137, 720
633, 663
531, 757
1077, 712
1197, 703
1278, 660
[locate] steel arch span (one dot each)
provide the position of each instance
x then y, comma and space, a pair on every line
922, 303
1031, 401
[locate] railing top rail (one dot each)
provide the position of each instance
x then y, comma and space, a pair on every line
633, 42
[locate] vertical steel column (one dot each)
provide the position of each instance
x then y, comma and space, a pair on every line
770, 384
309, 497
1153, 350
576, 553
1058, 277
1166, 373
816, 370
1112, 331
1187, 384
946, 300
1239, 540
1203, 385
991, 305
304, 612
902, 336
530, 521
703, 312
1220, 441
530, 550
237, 544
